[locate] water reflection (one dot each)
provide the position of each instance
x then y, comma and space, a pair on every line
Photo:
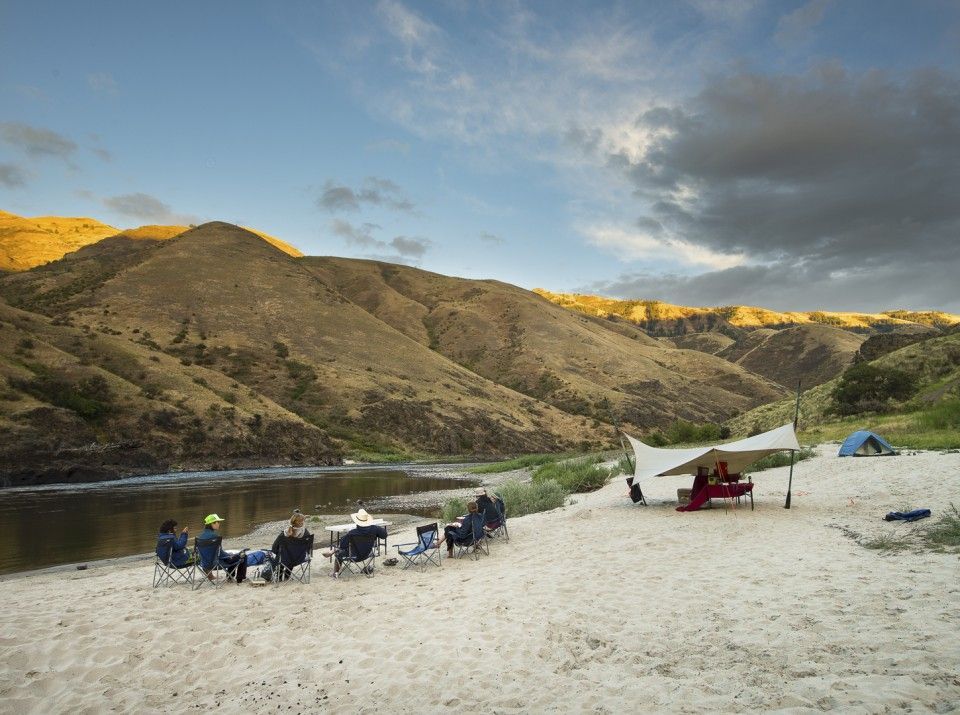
44, 527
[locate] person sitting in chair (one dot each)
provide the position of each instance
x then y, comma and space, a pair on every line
295, 530
225, 560
464, 533
490, 507
178, 554
364, 526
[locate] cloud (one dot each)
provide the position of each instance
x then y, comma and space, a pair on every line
103, 82
795, 27
826, 170
36, 142
491, 239
362, 237
651, 244
12, 176
102, 153
144, 207
374, 191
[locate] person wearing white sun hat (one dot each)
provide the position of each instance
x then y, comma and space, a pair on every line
364, 526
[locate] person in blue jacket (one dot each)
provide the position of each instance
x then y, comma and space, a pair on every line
179, 555
364, 526
468, 531
227, 561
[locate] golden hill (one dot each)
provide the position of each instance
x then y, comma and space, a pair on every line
29, 242
658, 316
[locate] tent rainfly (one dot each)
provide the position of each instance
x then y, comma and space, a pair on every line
863, 443
657, 462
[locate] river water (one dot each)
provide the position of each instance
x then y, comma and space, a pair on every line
61, 524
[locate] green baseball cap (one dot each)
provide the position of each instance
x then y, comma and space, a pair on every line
212, 518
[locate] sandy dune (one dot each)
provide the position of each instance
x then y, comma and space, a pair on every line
601, 606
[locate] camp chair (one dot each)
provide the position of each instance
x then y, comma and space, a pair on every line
499, 526
166, 574
425, 550
475, 546
357, 544
293, 559
206, 556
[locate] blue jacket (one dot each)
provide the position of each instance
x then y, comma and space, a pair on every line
360, 530
207, 555
180, 555
471, 522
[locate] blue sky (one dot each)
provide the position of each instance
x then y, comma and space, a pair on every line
795, 155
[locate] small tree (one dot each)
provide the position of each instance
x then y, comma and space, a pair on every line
866, 387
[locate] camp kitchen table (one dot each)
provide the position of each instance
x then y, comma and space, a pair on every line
337, 529
718, 491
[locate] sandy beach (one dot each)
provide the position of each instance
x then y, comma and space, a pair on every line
601, 606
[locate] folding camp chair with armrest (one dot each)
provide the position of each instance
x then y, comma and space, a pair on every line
166, 574
473, 546
425, 551
498, 527
206, 555
354, 561
293, 559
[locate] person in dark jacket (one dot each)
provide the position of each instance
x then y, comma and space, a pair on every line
179, 555
364, 526
489, 507
225, 560
296, 530
470, 529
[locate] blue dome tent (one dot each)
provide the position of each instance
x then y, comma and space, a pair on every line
864, 443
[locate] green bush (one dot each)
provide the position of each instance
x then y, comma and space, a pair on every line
944, 415
453, 508
89, 398
575, 475
779, 459
868, 388
523, 498
527, 460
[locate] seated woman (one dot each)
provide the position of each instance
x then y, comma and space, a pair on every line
296, 529
490, 506
468, 531
172, 547
232, 563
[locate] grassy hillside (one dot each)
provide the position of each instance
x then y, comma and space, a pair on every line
934, 363
582, 365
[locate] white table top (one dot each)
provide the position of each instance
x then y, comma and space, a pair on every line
351, 525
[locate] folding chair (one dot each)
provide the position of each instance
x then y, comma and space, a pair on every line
293, 559
498, 527
425, 550
474, 546
206, 556
165, 573
353, 561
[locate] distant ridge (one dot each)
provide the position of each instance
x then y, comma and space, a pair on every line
26, 242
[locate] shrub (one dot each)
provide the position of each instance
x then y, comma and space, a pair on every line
453, 508
523, 498
779, 459
89, 398
868, 388
575, 475
944, 415
946, 532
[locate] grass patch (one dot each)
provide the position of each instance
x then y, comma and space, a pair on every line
575, 475
523, 498
527, 460
946, 532
779, 459
886, 542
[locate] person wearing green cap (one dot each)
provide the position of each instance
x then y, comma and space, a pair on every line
211, 530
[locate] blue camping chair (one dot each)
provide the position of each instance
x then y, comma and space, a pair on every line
425, 550
293, 559
165, 573
362, 551
213, 572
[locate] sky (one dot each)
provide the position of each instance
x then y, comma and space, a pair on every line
800, 155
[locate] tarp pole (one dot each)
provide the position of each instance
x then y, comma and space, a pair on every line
796, 417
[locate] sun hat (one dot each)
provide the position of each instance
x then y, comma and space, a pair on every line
212, 518
362, 518
479, 492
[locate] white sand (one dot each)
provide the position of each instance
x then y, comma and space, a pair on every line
602, 606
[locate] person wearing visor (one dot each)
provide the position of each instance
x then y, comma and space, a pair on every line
227, 561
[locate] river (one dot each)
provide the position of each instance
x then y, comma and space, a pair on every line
62, 524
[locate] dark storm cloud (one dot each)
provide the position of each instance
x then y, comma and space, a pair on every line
374, 191
825, 171
36, 142
12, 176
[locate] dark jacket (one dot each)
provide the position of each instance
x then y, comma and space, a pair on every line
379, 531
296, 548
207, 553
470, 529
488, 507
179, 556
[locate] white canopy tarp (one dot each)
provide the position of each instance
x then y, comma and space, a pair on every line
657, 462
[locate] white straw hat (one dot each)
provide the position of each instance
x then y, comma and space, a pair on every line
362, 518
